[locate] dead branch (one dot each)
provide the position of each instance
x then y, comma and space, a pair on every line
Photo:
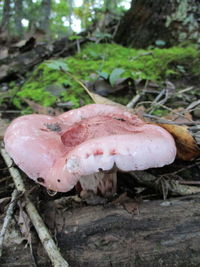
7, 218
134, 100
43, 233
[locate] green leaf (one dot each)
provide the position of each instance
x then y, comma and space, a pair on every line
103, 74
115, 75
57, 65
74, 37
160, 43
181, 68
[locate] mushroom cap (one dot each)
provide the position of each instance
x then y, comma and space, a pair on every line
58, 151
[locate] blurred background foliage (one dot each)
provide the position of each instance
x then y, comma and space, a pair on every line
56, 18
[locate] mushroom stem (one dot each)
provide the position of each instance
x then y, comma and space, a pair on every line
101, 183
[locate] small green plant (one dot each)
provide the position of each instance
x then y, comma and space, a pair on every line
50, 83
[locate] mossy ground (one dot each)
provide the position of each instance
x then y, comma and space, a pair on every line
48, 86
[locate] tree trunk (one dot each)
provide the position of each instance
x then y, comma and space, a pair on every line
6, 16
18, 17
70, 18
45, 14
154, 233
151, 22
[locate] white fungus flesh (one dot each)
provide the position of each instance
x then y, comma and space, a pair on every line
58, 152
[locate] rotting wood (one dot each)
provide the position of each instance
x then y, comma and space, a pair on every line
163, 233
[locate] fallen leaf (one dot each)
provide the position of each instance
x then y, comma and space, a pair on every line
24, 223
41, 109
103, 100
121, 199
183, 118
102, 86
132, 207
187, 148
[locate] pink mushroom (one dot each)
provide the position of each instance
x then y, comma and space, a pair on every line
86, 145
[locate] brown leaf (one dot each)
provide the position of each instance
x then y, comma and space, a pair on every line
41, 109
103, 100
24, 223
183, 118
132, 207
102, 86
187, 148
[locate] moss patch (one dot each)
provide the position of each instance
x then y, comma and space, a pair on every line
48, 86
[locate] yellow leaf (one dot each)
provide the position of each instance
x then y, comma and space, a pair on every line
187, 148
102, 100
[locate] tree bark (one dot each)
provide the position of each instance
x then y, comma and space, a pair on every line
45, 14
18, 17
150, 22
154, 233
70, 18
6, 16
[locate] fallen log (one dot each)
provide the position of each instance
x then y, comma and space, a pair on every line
14, 66
152, 233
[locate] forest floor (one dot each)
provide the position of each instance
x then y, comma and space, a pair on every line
162, 86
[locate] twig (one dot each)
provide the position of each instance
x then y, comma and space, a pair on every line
158, 97
5, 178
169, 109
7, 218
161, 120
165, 184
185, 90
189, 182
135, 99
195, 128
197, 163
193, 104
43, 233
156, 102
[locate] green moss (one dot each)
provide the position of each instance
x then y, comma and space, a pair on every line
160, 112
153, 64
